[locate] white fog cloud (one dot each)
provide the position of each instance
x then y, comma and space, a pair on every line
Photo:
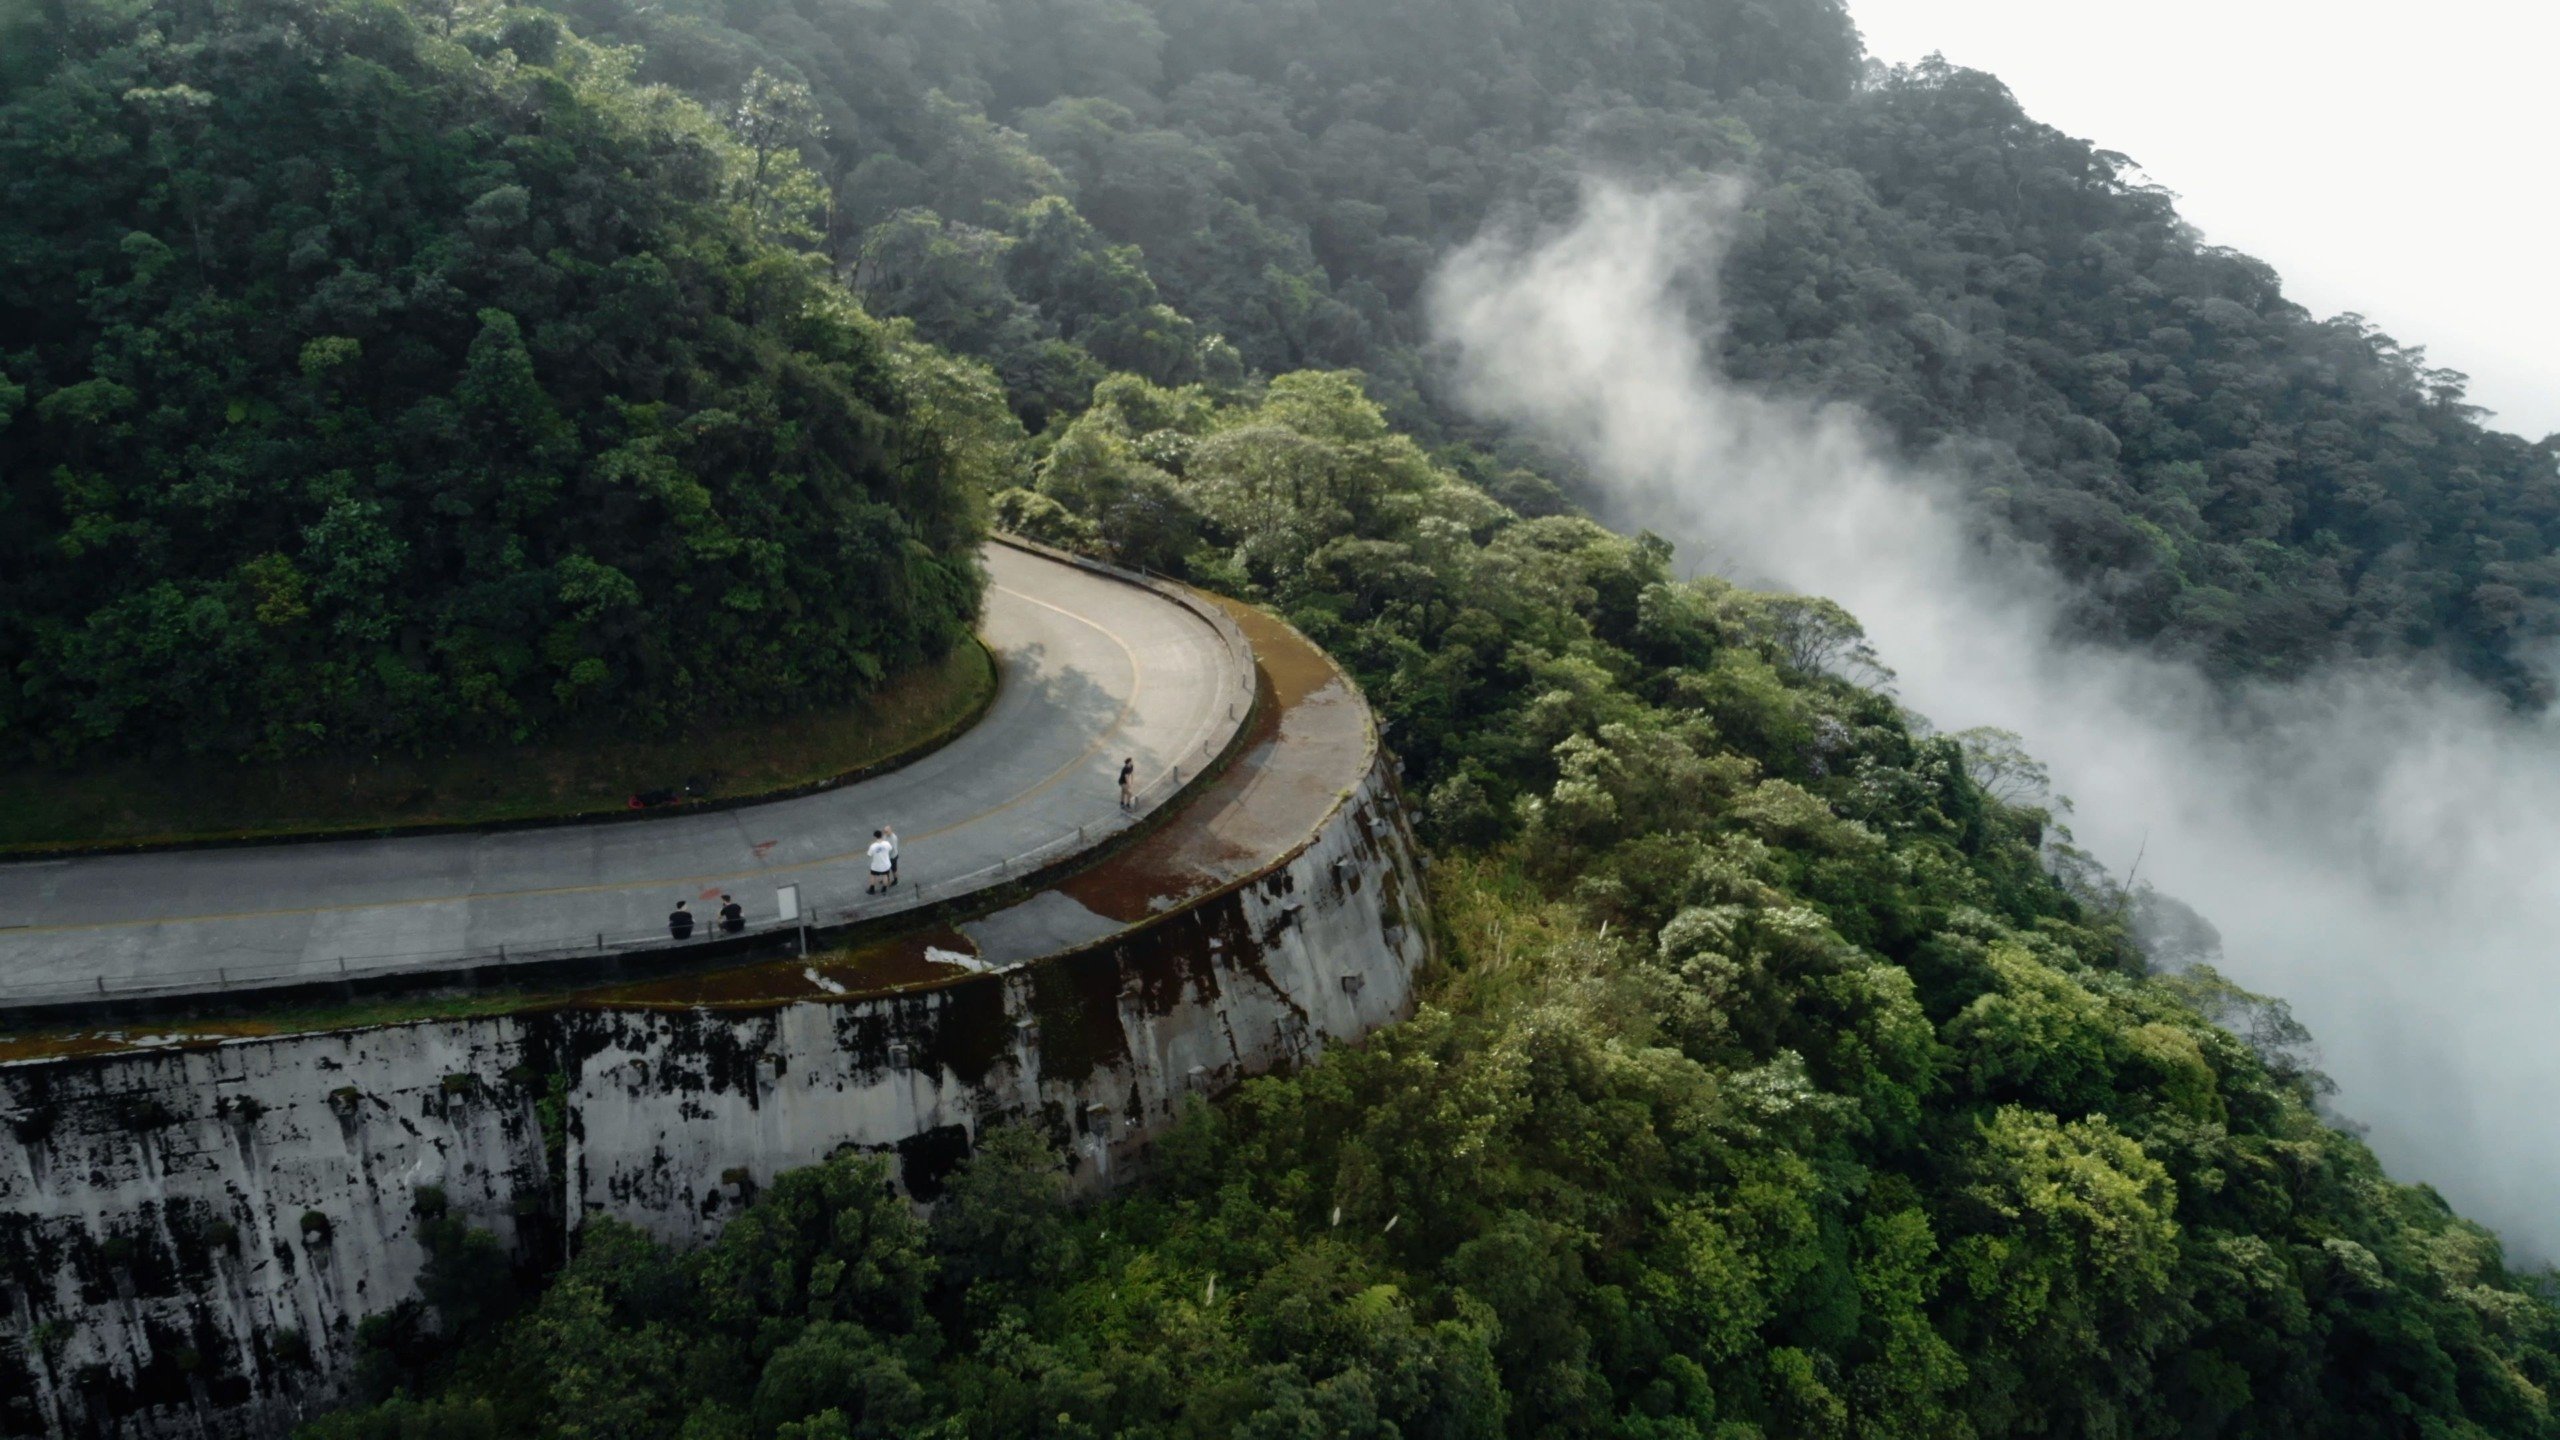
2376, 848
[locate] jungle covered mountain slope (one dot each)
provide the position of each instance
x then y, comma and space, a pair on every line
1186, 188
1789, 1074
1774, 1085
372, 379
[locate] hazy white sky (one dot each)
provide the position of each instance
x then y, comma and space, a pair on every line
2394, 160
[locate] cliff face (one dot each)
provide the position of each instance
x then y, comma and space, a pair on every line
678, 1113
194, 1235
189, 1239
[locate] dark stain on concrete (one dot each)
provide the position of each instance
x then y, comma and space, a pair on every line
1075, 1000
968, 1030
1242, 829
927, 1158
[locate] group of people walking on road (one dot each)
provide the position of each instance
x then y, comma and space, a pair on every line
882, 854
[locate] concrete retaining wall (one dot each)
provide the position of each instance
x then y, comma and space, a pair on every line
189, 1239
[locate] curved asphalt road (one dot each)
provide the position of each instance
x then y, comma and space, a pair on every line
1094, 669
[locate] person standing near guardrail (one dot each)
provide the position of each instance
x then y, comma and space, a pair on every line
1128, 783
680, 922
890, 834
880, 863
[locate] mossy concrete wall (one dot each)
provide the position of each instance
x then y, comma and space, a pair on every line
188, 1240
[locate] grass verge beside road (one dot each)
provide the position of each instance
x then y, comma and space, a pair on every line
194, 802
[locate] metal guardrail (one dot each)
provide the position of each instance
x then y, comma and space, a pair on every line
234, 979
228, 979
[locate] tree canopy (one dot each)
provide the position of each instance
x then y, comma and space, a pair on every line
372, 377
1775, 1081
379, 375
1179, 187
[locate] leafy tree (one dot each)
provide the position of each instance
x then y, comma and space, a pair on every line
777, 121
2227, 476
1770, 1082
377, 382
373, 374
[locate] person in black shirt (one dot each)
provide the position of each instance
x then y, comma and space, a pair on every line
733, 916
680, 922
1128, 780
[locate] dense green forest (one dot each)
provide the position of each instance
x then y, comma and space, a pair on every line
1189, 190
374, 379
1180, 187
1772, 1084
374, 374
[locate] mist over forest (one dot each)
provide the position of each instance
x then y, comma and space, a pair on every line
2372, 839
1194, 188
1989, 775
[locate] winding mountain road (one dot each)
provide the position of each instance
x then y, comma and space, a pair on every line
1094, 669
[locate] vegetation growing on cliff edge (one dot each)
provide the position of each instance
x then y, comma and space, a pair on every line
376, 378
1774, 1084
371, 374
1180, 187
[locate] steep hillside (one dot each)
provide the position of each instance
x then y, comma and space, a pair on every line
1180, 187
1773, 1086
396, 373
374, 379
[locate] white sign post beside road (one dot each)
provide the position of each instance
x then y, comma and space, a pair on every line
787, 900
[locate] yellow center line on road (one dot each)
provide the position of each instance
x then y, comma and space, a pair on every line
1137, 684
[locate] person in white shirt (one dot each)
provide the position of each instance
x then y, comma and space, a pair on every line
882, 862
